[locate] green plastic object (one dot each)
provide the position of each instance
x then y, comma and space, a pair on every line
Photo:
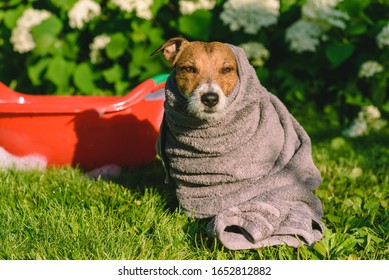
160, 78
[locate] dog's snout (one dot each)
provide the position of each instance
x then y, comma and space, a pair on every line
210, 99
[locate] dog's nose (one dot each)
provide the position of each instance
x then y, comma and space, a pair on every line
210, 99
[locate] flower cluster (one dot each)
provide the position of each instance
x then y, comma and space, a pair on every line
318, 16
141, 7
82, 12
256, 53
383, 37
21, 37
303, 36
99, 43
323, 13
369, 68
188, 7
251, 15
369, 118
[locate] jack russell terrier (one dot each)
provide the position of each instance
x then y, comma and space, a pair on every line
206, 73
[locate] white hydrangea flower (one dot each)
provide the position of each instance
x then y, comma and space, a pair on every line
357, 129
141, 7
371, 112
369, 68
82, 12
256, 53
323, 12
303, 36
378, 124
32, 17
22, 40
368, 118
99, 43
143, 10
383, 37
250, 15
21, 37
188, 7
318, 16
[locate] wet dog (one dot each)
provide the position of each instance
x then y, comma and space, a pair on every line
206, 73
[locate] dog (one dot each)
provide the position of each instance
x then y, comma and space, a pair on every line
206, 73
234, 152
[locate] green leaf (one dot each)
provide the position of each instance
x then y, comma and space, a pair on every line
140, 31
113, 74
196, 25
117, 46
320, 248
53, 25
356, 29
372, 204
12, 16
334, 219
347, 244
133, 70
139, 55
138, 58
35, 71
356, 98
374, 238
156, 37
83, 78
285, 5
38, 257
355, 9
44, 44
70, 47
151, 69
13, 3
385, 107
58, 72
157, 4
339, 53
45, 35
354, 203
121, 87
64, 4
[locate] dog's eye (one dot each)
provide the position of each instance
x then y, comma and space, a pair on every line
226, 70
189, 69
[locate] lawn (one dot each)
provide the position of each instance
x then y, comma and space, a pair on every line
61, 213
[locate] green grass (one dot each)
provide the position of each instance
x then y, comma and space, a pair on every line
63, 214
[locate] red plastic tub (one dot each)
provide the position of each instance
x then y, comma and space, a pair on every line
85, 131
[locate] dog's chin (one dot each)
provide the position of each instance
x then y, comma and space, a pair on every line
207, 114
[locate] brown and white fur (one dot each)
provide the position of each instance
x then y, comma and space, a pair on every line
206, 73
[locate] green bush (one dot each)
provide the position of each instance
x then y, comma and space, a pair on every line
330, 54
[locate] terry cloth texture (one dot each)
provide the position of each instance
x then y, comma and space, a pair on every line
250, 171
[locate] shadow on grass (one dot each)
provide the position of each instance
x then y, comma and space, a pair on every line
152, 176
148, 176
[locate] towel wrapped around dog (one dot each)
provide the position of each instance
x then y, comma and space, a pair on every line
250, 171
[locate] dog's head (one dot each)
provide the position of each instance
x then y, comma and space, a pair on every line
206, 73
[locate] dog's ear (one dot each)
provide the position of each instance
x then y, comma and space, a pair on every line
171, 48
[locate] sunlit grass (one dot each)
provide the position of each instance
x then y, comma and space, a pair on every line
64, 214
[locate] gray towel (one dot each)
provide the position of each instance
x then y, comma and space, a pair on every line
250, 171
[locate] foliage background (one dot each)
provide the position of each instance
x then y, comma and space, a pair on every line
97, 217
326, 79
